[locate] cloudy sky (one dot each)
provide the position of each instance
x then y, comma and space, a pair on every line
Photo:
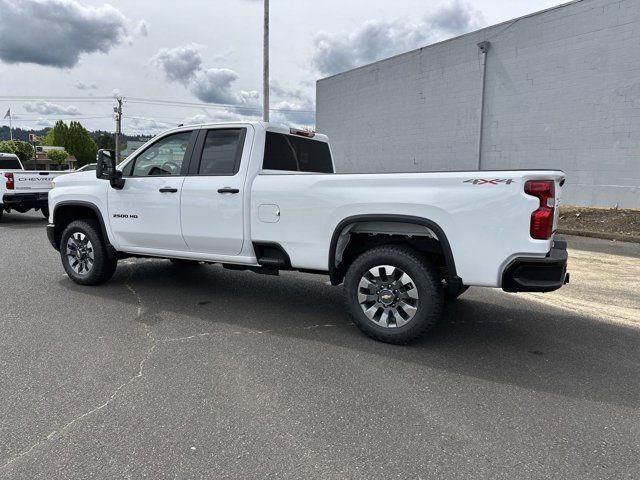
195, 61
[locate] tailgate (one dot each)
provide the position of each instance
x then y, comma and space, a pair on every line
33, 181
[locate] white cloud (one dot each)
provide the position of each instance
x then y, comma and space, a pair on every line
223, 115
378, 39
43, 122
46, 108
183, 64
455, 18
213, 85
145, 125
80, 85
57, 32
142, 29
179, 64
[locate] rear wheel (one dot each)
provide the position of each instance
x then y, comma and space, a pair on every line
393, 294
84, 253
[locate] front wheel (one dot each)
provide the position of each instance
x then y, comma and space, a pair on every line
84, 253
45, 212
393, 294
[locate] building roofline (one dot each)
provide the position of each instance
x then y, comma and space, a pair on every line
506, 23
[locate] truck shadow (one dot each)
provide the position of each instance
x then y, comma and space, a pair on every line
486, 334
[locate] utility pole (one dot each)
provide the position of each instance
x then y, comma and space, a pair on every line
33, 139
117, 111
265, 70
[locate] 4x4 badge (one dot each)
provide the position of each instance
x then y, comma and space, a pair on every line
492, 181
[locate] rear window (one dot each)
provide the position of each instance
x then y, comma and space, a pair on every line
297, 154
10, 163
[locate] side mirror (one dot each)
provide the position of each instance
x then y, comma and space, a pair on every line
106, 168
106, 164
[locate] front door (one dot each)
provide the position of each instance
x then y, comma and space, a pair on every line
212, 201
146, 212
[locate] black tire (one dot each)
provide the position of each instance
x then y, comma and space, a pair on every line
451, 294
425, 278
184, 263
1, 213
45, 212
103, 266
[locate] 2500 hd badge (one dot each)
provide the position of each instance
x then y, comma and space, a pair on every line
125, 215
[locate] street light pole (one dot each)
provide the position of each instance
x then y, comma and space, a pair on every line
265, 70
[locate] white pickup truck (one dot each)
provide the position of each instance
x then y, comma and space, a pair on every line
260, 197
20, 189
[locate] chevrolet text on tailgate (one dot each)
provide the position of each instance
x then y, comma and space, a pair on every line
256, 196
20, 189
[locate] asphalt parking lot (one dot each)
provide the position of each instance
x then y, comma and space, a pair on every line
200, 372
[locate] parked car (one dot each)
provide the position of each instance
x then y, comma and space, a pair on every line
22, 190
89, 167
255, 196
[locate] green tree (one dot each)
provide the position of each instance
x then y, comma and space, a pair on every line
7, 147
24, 150
75, 139
58, 136
58, 156
106, 140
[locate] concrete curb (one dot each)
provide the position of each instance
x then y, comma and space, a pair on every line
606, 236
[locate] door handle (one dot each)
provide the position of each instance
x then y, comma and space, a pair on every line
168, 190
228, 190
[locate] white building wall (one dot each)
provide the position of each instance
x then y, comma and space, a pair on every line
562, 91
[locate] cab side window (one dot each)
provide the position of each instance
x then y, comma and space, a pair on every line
163, 158
221, 152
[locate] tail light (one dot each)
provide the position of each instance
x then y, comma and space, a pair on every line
10, 181
542, 218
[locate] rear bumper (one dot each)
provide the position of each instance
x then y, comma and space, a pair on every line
531, 274
31, 200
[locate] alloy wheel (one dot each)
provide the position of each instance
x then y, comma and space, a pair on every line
388, 296
80, 253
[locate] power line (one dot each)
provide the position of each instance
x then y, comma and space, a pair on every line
224, 106
40, 97
74, 117
153, 101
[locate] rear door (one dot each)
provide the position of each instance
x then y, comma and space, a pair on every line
146, 212
212, 198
